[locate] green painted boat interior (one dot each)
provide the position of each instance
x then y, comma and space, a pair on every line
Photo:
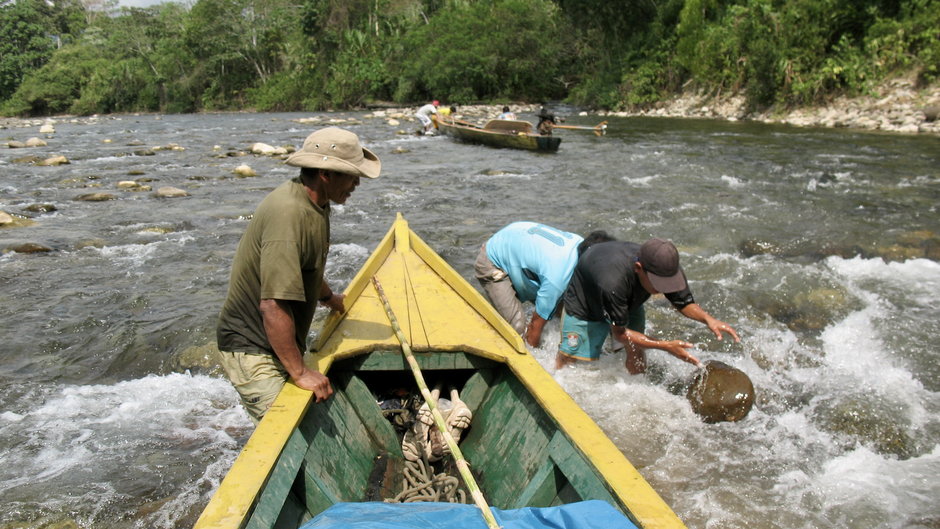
345, 450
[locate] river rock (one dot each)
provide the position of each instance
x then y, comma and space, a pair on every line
266, 150
53, 161
931, 113
14, 221
168, 147
720, 392
869, 421
40, 208
48, 128
244, 171
15, 144
144, 152
95, 197
170, 192
36, 142
201, 358
27, 247
27, 159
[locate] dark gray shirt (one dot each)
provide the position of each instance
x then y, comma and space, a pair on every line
605, 287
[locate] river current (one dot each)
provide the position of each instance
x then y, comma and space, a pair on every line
820, 247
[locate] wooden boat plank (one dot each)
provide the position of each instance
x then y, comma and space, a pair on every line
578, 470
342, 460
502, 425
371, 416
275, 496
542, 488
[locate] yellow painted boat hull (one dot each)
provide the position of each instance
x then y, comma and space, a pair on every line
529, 443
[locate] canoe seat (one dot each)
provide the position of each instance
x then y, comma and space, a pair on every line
512, 126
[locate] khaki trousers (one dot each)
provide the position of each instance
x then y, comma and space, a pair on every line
258, 378
498, 289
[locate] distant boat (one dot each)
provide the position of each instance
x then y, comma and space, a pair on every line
528, 444
507, 133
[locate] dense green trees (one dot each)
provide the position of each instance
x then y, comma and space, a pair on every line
85, 56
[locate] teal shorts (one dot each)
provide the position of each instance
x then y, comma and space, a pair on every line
584, 340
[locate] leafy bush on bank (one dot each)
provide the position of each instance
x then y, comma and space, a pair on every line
318, 54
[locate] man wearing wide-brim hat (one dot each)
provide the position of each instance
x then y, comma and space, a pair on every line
277, 273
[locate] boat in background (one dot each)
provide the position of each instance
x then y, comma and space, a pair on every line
528, 444
506, 133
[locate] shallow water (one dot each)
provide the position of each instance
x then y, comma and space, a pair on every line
109, 418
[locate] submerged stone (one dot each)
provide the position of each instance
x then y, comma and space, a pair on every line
720, 392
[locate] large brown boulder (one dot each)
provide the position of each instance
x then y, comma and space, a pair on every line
720, 392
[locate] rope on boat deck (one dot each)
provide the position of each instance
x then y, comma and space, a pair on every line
419, 484
462, 465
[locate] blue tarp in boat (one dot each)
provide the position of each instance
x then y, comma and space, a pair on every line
591, 514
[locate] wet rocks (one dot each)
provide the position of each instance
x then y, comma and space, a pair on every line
53, 161
244, 171
40, 208
13, 221
810, 310
720, 392
919, 244
170, 192
133, 185
27, 247
873, 423
268, 150
95, 197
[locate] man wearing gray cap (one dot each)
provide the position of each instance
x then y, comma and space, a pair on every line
277, 273
606, 293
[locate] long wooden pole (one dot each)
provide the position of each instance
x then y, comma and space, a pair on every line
598, 129
462, 466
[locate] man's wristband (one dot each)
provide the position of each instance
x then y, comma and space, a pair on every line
324, 299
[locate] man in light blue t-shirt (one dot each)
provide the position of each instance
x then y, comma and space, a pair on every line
527, 261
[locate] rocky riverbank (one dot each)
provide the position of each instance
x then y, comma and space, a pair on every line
897, 106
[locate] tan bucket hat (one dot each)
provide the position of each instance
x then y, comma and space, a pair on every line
336, 149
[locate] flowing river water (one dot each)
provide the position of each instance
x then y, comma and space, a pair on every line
819, 246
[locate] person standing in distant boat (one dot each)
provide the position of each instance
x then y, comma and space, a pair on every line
424, 115
608, 288
277, 273
507, 114
547, 122
527, 261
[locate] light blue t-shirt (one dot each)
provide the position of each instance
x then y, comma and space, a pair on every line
539, 260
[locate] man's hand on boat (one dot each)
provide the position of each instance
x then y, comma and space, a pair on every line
335, 303
316, 382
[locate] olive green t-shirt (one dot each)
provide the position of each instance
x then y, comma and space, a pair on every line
281, 256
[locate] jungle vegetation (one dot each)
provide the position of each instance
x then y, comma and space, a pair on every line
90, 56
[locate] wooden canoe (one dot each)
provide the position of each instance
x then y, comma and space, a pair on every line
512, 134
528, 445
